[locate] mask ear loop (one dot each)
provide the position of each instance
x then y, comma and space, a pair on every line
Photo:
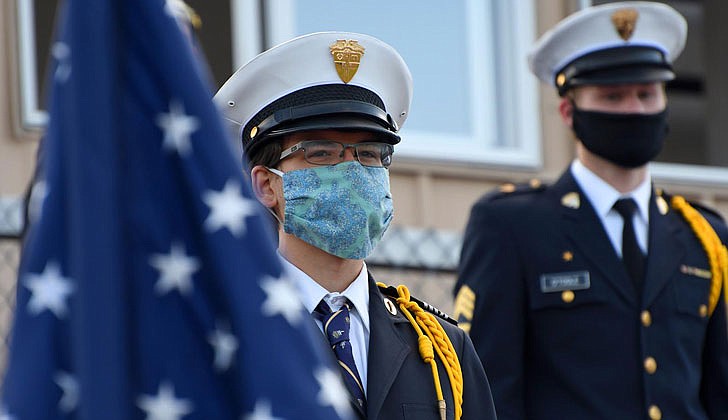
270, 210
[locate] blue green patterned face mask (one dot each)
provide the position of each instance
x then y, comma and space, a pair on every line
342, 209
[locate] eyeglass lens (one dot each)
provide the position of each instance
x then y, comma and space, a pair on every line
325, 152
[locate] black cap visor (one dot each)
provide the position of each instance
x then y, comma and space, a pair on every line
624, 75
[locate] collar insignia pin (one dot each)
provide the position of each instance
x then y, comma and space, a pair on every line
662, 205
390, 306
571, 200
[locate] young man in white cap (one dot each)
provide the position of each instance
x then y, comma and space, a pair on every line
318, 118
600, 297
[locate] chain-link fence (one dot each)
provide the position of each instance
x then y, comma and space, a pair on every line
10, 229
425, 260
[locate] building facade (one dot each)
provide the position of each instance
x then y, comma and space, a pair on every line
479, 118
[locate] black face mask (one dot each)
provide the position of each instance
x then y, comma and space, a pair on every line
627, 140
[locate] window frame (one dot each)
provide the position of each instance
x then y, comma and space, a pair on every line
491, 122
32, 115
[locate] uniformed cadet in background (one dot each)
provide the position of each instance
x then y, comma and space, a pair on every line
600, 296
318, 118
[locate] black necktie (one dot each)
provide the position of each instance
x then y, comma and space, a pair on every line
632, 255
336, 327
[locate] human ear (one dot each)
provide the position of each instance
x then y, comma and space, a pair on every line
263, 189
566, 110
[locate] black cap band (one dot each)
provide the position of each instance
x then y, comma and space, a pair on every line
628, 64
335, 106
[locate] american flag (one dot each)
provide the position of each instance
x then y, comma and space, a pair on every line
148, 286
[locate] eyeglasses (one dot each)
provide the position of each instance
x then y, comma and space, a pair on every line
328, 152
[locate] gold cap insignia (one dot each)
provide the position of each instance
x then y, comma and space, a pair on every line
567, 256
662, 206
571, 200
347, 55
624, 21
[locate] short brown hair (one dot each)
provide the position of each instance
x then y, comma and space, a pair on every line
267, 154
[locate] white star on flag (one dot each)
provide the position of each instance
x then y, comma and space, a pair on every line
225, 345
332, 391
70, 388
38, 194
177, 127
262, 411
170, 6
62, 53
175, 270
4, 415
228, 208
164, 405
49, 290
281, 298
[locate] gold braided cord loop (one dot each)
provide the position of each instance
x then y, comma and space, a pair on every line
724, 264
714, 249
447, 354
425, 321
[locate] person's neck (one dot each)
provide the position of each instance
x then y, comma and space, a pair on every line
621, 179
333, 273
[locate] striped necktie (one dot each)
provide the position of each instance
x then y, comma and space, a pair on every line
336, 327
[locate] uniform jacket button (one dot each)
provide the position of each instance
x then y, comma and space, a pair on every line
567, 296
654, 413
650, 365
646, 318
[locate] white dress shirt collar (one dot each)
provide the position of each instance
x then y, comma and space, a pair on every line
311, 292
602, 196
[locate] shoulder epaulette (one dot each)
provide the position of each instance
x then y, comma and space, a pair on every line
511, 189
391, 291
706, 209
697, 205
715, 250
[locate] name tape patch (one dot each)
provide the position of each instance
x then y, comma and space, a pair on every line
558, 282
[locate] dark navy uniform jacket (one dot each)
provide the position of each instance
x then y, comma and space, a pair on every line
400, 384
558, 346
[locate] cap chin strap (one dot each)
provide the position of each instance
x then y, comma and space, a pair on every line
278, 219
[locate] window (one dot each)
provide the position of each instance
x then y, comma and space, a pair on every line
696, 149
36, 25
474, 101
462, 55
